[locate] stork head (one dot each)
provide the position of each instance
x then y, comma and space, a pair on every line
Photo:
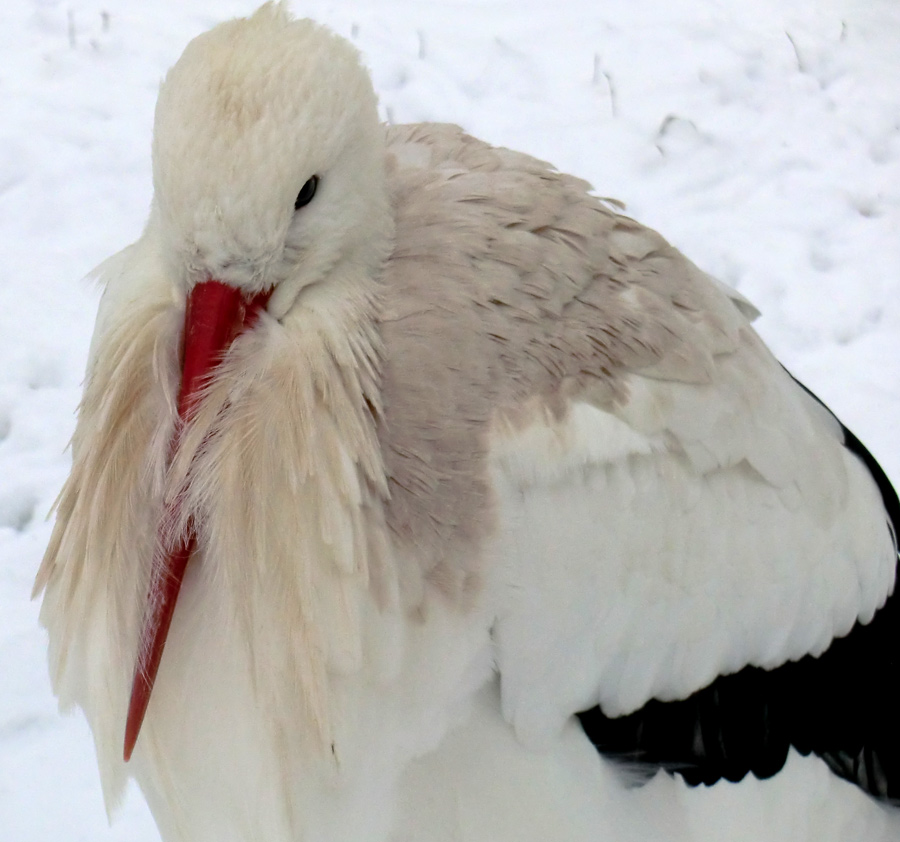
268, 159
268, 169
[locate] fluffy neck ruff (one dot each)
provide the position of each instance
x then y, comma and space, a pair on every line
280, 471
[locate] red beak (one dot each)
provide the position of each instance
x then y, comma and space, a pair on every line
215, 316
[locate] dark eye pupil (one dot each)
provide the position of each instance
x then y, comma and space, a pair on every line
307, 191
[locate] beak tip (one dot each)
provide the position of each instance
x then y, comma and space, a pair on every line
137, 706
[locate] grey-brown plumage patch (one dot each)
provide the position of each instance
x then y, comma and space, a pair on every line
509, 281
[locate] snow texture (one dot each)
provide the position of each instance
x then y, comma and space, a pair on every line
762, 139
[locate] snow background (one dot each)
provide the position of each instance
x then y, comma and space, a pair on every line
763, 139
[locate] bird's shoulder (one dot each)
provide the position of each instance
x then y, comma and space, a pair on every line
531, 251
511, 286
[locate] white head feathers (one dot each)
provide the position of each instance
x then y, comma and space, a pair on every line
249, 113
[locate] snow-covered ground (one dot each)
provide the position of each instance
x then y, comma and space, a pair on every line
762, 138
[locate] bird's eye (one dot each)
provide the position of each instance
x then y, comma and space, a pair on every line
307, 191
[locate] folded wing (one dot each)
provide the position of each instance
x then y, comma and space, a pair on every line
696, 569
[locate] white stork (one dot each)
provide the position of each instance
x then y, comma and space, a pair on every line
408, 473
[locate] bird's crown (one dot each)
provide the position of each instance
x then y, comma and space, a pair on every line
267, 153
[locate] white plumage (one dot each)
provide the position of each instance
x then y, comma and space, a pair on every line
475, 453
